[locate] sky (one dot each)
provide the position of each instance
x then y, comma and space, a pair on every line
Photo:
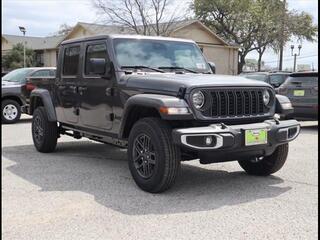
43, 17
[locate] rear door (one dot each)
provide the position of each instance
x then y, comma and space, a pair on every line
67, 83
95, 91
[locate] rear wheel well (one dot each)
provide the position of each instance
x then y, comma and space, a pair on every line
34, 103
136, 113
14, 98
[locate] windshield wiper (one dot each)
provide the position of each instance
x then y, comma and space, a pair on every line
179, 68
146, 67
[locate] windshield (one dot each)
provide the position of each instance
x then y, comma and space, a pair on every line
17, 75
159, 54
259, 77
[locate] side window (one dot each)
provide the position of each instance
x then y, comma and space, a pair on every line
95, 51
276, 79
71, 61
53, 73
41, 73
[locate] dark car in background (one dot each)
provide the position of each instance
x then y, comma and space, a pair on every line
302, 90
16, 88
275, 79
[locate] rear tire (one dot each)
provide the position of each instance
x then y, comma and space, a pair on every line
11, 111
44, 132
154, 161
267, 165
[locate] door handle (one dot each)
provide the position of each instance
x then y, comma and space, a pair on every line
109, 91
73, 88
82, 88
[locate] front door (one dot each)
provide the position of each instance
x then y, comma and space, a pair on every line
68, 99
95, 90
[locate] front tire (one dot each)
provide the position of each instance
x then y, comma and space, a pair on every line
154, 161
11, 111
44, 132
265, 166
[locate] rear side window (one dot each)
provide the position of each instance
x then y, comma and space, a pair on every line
277, 78
71, 61
95, 51
303, 80
42, 73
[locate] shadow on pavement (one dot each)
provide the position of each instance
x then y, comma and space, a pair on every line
101, 170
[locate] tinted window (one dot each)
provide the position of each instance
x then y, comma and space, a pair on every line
41, 73
17, 75
95, 51
159, 54
277, 78
310, 80
71, 61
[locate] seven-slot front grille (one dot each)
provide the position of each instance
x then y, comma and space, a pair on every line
234, 103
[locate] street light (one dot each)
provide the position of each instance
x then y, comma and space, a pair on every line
295, 55
23, 30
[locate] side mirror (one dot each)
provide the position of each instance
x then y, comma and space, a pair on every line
213, 67
97, 66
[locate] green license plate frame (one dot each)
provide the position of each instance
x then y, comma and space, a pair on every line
256, 137
298, 93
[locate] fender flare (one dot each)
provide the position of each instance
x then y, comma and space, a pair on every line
283, 105
154, 101
45, 96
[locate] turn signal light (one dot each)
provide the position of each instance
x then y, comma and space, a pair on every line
173, 110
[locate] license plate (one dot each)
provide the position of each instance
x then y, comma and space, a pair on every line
256, 137
298, 93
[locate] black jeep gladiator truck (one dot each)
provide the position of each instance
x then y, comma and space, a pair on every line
159, 98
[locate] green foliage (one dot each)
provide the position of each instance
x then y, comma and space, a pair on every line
14, 58
255, 24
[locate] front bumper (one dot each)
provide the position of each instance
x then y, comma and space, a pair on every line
229, 141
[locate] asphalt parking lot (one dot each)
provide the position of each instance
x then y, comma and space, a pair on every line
84, 191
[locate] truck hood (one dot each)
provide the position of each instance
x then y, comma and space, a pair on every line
171, 82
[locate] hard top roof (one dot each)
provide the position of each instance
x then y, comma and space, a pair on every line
117, 36
304, 74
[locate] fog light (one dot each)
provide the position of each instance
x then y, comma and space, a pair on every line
208, 140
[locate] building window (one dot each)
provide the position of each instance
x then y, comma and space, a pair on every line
39, 59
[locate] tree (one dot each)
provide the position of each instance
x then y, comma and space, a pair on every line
146, 17
64, 29
14, 58
254, 24
232, 20
272, 32
266, 15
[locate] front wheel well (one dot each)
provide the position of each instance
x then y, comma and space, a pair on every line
136, 113
14, 98
34, 103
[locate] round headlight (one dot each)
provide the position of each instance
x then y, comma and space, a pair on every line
198, 99
266, 97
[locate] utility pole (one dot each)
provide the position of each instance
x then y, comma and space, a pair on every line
282, 36
295, 56
23, 30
